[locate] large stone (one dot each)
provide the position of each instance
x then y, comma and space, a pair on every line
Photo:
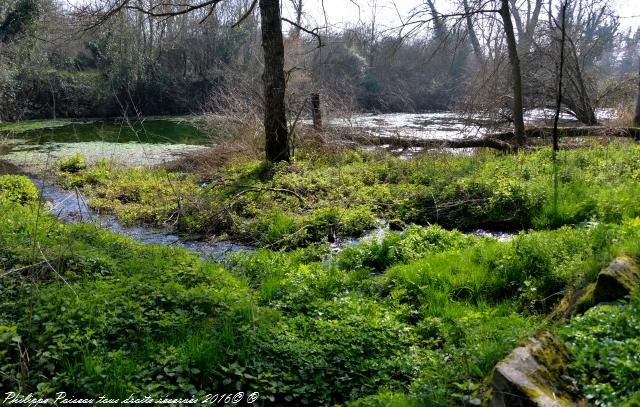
533, 375
576, 302
614, 282
617, 281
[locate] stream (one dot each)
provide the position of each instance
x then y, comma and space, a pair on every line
156, 141
71, 206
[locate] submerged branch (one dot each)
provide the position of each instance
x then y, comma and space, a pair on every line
586, 131
497, 141
404, 142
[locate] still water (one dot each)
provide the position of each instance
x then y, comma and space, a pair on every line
130, 143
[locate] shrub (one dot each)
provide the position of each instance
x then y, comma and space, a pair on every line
393, 248
72, 165
18, 189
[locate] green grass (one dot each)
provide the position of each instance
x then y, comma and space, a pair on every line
128, 316
416, 318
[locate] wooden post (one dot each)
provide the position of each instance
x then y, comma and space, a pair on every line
316, 112
636, 119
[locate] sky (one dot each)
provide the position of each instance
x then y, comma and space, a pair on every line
339, 13
342, 12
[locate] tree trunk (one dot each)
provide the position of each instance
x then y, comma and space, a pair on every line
275, 116
438, 25
297, 8
636, 119
316, 112
514, 61
556, 147
477, 49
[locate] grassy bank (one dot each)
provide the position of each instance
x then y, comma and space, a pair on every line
418, 318
323, 196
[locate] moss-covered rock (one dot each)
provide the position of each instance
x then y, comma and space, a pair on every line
613, 283
575, 302
617, 281
533, 375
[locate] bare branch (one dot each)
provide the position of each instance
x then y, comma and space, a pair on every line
310, 32
246, 14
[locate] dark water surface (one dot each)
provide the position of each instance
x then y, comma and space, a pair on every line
35, 146
153, 131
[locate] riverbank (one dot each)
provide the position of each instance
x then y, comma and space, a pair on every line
419, 317
324, 197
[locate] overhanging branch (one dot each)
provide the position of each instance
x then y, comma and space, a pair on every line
301, 28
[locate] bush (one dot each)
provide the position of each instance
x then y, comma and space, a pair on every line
394, 248
18, 189
72, 165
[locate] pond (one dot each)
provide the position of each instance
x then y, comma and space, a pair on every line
35, 146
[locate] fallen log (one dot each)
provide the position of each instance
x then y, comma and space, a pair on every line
497, 141
584, 131
407, 142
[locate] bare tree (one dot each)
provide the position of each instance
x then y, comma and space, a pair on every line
516, 75
491, 7
591, 28
526, 25
473, 37
438, 24
297, 10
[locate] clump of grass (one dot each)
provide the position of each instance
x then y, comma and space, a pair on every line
146, 196
71, 165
